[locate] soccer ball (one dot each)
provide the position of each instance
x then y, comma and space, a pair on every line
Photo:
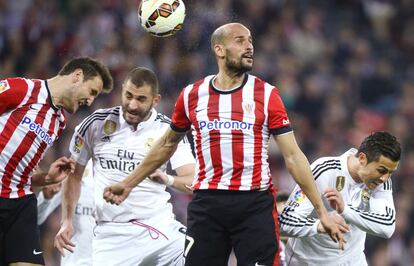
161, 18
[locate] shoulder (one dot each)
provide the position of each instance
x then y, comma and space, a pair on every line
205, 81
326, 165
161, 118
100, 118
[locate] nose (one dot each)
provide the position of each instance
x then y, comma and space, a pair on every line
133, 104
249, 46
90, 101
385, 177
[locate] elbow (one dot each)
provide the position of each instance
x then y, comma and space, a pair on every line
388, 232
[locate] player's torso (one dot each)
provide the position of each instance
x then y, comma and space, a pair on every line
232, 127
27, 132
117, 149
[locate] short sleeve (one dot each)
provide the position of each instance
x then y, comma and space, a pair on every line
180, 122
12, 93
278, 119
80, 144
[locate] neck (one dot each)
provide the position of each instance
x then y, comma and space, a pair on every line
352, 164
56, 90
226, 80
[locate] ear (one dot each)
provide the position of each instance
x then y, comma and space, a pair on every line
219, 50
77, 75
156, 100
362, 158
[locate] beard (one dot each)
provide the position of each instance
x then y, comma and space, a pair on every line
237, 65
135, 117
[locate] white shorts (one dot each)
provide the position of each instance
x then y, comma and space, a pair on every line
155, 242
359, 260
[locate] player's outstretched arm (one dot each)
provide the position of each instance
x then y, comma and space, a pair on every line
162, 150
70, 196
182, 181
58, 171
298, 166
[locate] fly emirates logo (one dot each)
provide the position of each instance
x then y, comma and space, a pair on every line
37, 129
217, 125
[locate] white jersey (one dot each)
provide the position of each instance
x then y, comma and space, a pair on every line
116, 148
366, 211
83, 221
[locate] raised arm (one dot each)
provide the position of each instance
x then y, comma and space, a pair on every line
298, 166
160, 153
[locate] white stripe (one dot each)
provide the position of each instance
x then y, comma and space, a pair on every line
226, 148
248, 142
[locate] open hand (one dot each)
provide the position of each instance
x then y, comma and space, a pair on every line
63, 238
333, 230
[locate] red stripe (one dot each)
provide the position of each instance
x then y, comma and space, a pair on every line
258, 129
237, 140
276, 221
16, 116
10, 127
215, 152
23, 148
35, 160
192, 105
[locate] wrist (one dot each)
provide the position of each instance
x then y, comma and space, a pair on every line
170, 180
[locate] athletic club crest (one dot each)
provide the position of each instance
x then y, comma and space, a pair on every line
340, 183
109, 127
248, 107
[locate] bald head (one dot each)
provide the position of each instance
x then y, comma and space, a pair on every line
222, 32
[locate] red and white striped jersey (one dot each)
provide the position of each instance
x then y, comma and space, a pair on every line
231, 131
29, 124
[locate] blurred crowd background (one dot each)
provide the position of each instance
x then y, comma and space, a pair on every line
344, 69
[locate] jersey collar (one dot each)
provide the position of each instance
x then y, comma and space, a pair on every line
344, 163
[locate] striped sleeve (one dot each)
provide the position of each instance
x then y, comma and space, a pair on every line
180, 121
379, 220
12, 93
299, 218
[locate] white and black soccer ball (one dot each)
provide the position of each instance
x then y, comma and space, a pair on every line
161, 18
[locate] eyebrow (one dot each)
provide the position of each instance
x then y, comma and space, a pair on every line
385, 168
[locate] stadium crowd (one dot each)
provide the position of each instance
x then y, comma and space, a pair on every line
345, 68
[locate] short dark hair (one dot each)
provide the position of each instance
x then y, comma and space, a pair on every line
91, 68
140, 76
381, 143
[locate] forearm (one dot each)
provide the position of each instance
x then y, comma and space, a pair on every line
298, 167
70, 196
182, 183
39, 178
378, 223
157, 156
